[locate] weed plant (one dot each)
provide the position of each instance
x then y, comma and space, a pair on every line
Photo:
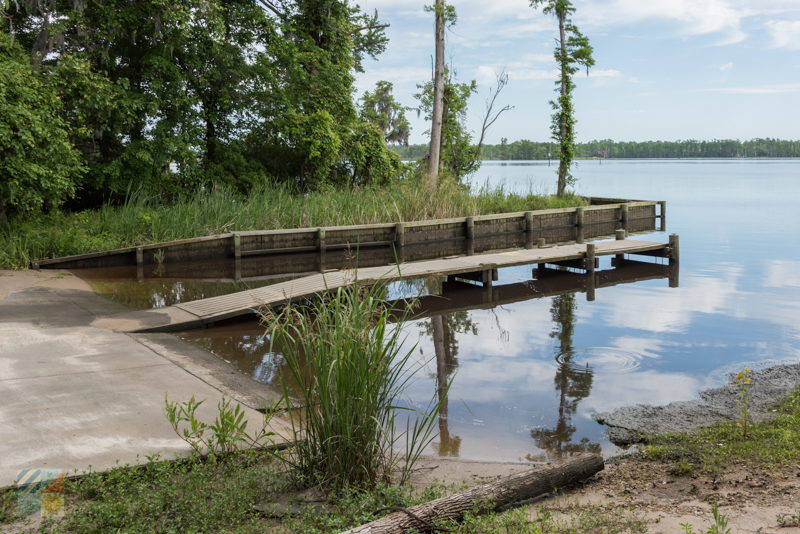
346, 361
743, 383
719, 526
226, 435
141, 220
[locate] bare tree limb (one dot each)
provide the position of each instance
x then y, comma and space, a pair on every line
272, 7
490, 117
369, 27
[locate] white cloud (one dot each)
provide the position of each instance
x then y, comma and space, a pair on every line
694, 17
726, 67
784, 33
772, 89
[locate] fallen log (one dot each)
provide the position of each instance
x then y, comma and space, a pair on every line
486, 497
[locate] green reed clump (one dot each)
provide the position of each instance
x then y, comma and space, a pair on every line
142, 220
348, 365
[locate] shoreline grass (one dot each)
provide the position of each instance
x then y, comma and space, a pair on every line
772, 443
141, 220
347, 362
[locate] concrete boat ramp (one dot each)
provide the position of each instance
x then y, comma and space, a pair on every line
480, 267
74, 397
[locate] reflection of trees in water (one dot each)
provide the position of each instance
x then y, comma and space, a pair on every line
159, 293
443, 330
572, 383
249, 352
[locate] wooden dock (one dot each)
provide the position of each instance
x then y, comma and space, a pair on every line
480, 267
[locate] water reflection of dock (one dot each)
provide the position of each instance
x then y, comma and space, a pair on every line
548, 282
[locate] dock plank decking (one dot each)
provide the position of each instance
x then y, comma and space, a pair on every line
205, 312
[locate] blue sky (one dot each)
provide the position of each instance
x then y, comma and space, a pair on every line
666, 69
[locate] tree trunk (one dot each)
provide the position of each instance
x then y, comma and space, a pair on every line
563, 163
487, 497
438, 97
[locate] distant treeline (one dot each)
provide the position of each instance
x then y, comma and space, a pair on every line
717, 148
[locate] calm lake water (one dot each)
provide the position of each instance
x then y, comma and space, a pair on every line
529, 375
526, 376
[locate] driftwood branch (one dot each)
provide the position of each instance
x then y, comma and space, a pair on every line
486, 497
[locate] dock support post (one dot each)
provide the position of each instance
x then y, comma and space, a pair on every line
590, 276
674, 249
321, 246
528, 229
619, 235
674, 272
139, 263
400, 235
237, 257
579, 225
470, 222
663, 215
399, 242
624, 216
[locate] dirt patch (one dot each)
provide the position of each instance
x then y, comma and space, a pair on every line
630, 423
752, 497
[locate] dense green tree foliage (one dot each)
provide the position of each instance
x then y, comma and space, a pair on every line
171, 97
572, 53
38, 164
381, 109
717, 148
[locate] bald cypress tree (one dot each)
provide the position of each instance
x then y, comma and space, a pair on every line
572, 53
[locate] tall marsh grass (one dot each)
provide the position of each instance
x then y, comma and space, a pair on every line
141, 220
347, 364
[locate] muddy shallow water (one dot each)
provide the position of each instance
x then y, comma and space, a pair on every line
531, 361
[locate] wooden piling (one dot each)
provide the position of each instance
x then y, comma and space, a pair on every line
237, 256
541, 242
674, 275
400, 234
528, 229
674, 248
470, 227
663, 215
579, 224
624, 215
619, 235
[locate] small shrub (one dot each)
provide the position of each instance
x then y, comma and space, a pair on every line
227, 434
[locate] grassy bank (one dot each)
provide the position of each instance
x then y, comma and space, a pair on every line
230, 495
771, 443
140, 221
